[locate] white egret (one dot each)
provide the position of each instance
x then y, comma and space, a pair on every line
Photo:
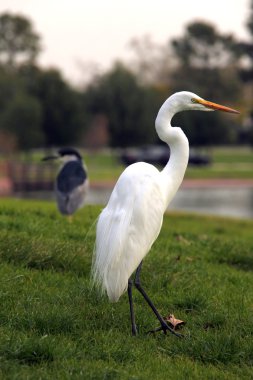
130, 223
71, 183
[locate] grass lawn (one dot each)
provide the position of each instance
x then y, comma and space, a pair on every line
232, 162
54, 326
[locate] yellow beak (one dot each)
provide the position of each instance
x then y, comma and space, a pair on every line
215, 106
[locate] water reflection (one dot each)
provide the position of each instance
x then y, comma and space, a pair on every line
234, 202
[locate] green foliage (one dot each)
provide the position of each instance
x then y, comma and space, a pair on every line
38, 107
206, 64
250, 20
55, 326
18, 41
203, 129
203, 46
207, 61
20, 113
246, 72
131, 109
23, 118
42, 105
62, 120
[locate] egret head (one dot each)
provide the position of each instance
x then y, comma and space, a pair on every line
185, 100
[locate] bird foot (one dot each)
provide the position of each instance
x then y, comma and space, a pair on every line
165, 328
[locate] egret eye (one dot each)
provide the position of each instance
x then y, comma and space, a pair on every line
193, 100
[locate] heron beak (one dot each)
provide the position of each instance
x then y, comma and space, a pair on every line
215, 106
49, 158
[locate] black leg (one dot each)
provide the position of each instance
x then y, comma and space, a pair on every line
129, 290
164, 325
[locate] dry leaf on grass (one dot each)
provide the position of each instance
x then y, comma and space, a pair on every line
183, 240
174, 322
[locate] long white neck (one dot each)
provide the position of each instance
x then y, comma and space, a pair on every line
173, 173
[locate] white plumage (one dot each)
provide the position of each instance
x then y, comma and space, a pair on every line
132, 219
121, 224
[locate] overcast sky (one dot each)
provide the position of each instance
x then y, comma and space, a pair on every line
76, 32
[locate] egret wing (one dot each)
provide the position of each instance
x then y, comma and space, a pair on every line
127, 227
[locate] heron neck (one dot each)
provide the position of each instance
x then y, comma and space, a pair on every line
173, 173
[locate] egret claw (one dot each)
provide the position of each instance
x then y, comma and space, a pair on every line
165, 331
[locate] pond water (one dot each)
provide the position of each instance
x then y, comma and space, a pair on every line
233, 202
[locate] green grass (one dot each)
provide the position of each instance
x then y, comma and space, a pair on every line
220, 172
231, 162
53, 325
230, 155
103, 166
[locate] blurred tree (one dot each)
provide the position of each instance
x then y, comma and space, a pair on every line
22, 118
10, 84
207, 61
206, 129
18, 41
62, 115
20, 114
246, 48
207, 65
246, 73
130, 108
202, 46
8, 142
151, 62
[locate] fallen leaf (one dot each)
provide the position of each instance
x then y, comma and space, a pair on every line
202, 237
174, 322
183, 240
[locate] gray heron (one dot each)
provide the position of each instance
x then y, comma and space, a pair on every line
72, 182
